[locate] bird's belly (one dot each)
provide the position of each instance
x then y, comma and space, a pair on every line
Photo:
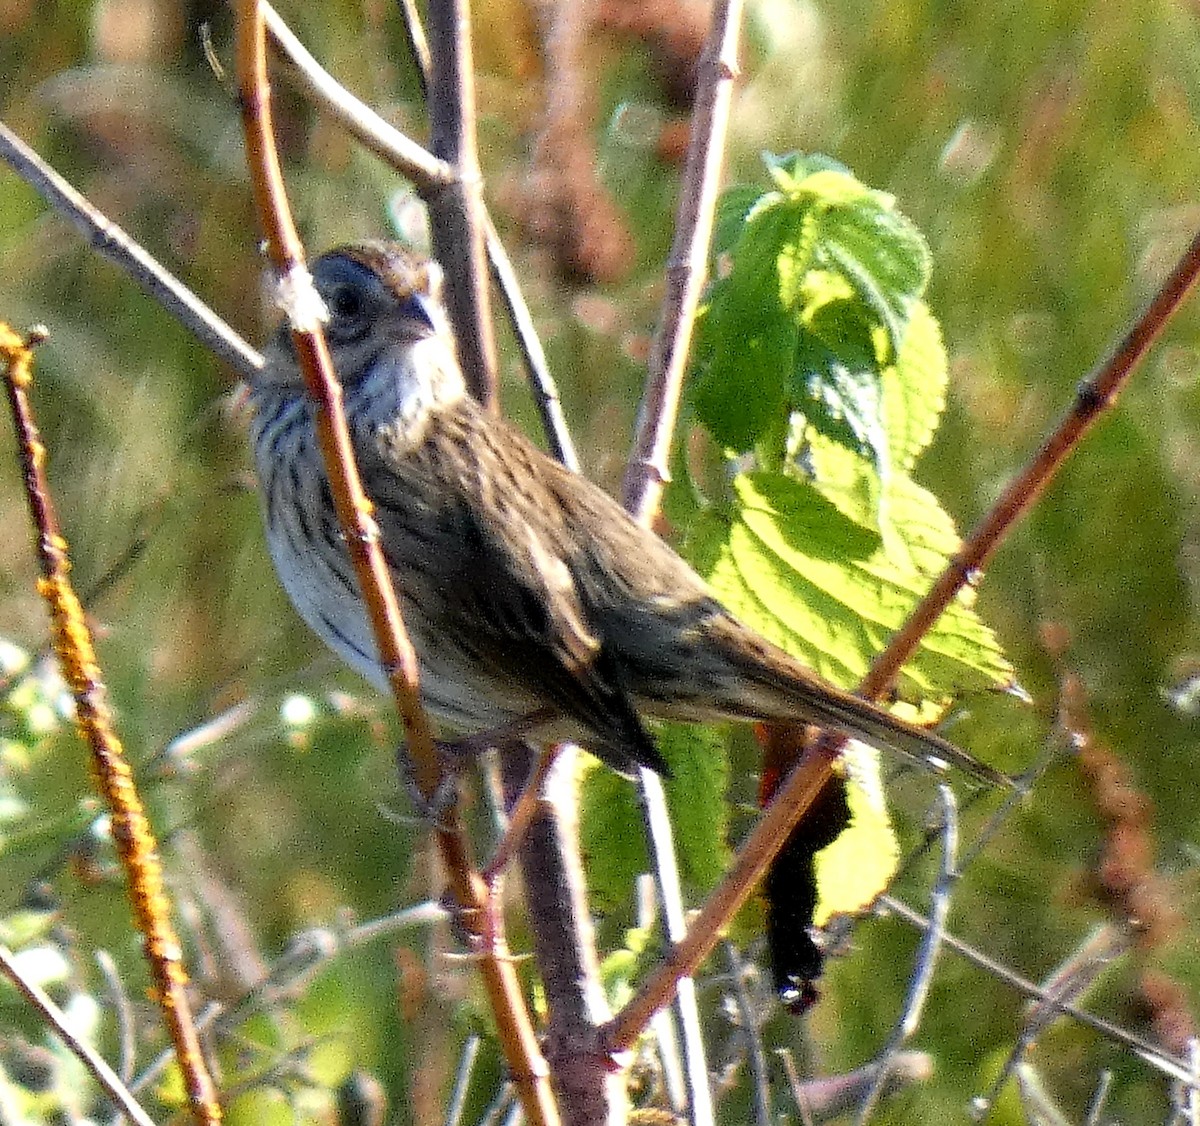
453, 687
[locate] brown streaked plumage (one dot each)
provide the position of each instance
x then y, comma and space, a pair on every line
523, 586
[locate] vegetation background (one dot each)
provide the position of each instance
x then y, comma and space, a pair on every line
1050, 153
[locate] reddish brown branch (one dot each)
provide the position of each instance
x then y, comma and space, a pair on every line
798, 793
299, 298
815, 769
514, 1028
1095, 395
521, 813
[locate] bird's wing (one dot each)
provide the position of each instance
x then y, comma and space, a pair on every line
496, 584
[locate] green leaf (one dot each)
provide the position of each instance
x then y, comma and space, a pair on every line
747, 338
855, 868
811, 314
813, 174
862, 237
918, 536
914, 388
733, 209
611, 839
803, 571
620, 970
697, 797
883, 257
807, 569
611, 836
836, 381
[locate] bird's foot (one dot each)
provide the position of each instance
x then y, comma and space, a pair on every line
433, 809
467, 748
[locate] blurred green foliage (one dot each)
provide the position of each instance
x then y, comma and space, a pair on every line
1049, 154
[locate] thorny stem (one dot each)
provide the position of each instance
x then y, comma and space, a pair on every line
132, 835
648, 470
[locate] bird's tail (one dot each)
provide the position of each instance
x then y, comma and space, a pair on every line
853, 716
774, 686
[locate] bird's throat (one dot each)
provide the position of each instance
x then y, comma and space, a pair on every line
404, 389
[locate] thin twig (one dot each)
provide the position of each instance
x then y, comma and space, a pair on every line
131, 832
462, 1080
180, 749
126, 1033
418, 45
306, 956
1067, 983
1150, 1053
663, 1032
1036, 1102
384, 927
513, 1025
428, 174
521, 814
501, 1105
648, 470
1025, 783
752, 1031
1190, 1097
820, 1100
670, 891
92, 1060
456, 213
160, 1063
112, 243
918, 989
545, 390
784, 1055
1099, 1098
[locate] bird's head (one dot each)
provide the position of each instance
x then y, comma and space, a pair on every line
381, 300
389, 338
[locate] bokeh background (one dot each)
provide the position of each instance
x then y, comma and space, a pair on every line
1051, 154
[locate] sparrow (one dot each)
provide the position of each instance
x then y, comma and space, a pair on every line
529, 594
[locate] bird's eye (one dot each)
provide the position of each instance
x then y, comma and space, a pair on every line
348, 312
